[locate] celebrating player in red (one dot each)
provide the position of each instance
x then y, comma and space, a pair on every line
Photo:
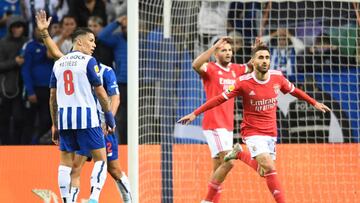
259, 91
218, 123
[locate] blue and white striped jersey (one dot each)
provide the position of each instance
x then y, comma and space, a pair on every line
73, 76
108, 79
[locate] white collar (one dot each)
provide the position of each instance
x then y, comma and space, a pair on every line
260, 81
227, 69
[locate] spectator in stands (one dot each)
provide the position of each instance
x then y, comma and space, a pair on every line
116, 8
283, 48
238, 48
36, 72
83, 9
63, 41
8, 8
55, 8
102, 52
11, 105
322, 56
55, 28
118, 42
212, 22
242, 17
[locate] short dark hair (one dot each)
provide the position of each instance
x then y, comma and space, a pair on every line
259, 47
80, 31
230, 41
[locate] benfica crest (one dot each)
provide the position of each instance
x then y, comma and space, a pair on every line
277, 88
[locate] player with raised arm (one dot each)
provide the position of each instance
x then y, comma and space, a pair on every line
218, 123
75, 122
259, 91
108, 78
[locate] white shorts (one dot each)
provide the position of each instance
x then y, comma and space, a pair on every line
219, 140
259, 144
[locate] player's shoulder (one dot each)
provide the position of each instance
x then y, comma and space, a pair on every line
246, 77
237, 65
276, 72
28, 44
105, 67
106, 70
210, 65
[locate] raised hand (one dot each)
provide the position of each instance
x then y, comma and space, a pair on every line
41, 21
187, 119
322, 107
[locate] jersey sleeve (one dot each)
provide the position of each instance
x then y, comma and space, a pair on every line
233, 90
207, 72
286, 85
110, 83
52, 80
92, 71
242, 69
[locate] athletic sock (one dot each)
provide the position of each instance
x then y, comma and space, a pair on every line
274, 186
213, 189
74, 192
218, 195
245, 157
124, 188
98, 177
64, 180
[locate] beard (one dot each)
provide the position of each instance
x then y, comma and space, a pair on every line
262, 68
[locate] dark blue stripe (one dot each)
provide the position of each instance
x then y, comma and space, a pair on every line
69, 120
101, 169
78, 117
88, 117
73, 198
61, 112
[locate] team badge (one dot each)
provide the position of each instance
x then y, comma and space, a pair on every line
219, 72
230, 88
96, 68
276, 88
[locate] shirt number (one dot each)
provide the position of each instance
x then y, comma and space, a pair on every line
68, 82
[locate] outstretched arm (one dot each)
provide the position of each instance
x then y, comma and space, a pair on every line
43, 25
303, 96
213, 102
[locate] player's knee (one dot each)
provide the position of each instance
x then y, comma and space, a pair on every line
266, 163
267, 166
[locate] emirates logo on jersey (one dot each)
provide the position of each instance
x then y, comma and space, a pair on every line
263, 104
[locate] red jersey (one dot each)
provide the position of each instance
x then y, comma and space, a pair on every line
259, 101
217, 79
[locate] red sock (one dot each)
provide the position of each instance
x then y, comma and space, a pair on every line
217, 196
213, 189
246, 158
274, 186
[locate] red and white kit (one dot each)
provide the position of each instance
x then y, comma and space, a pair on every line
218, 123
